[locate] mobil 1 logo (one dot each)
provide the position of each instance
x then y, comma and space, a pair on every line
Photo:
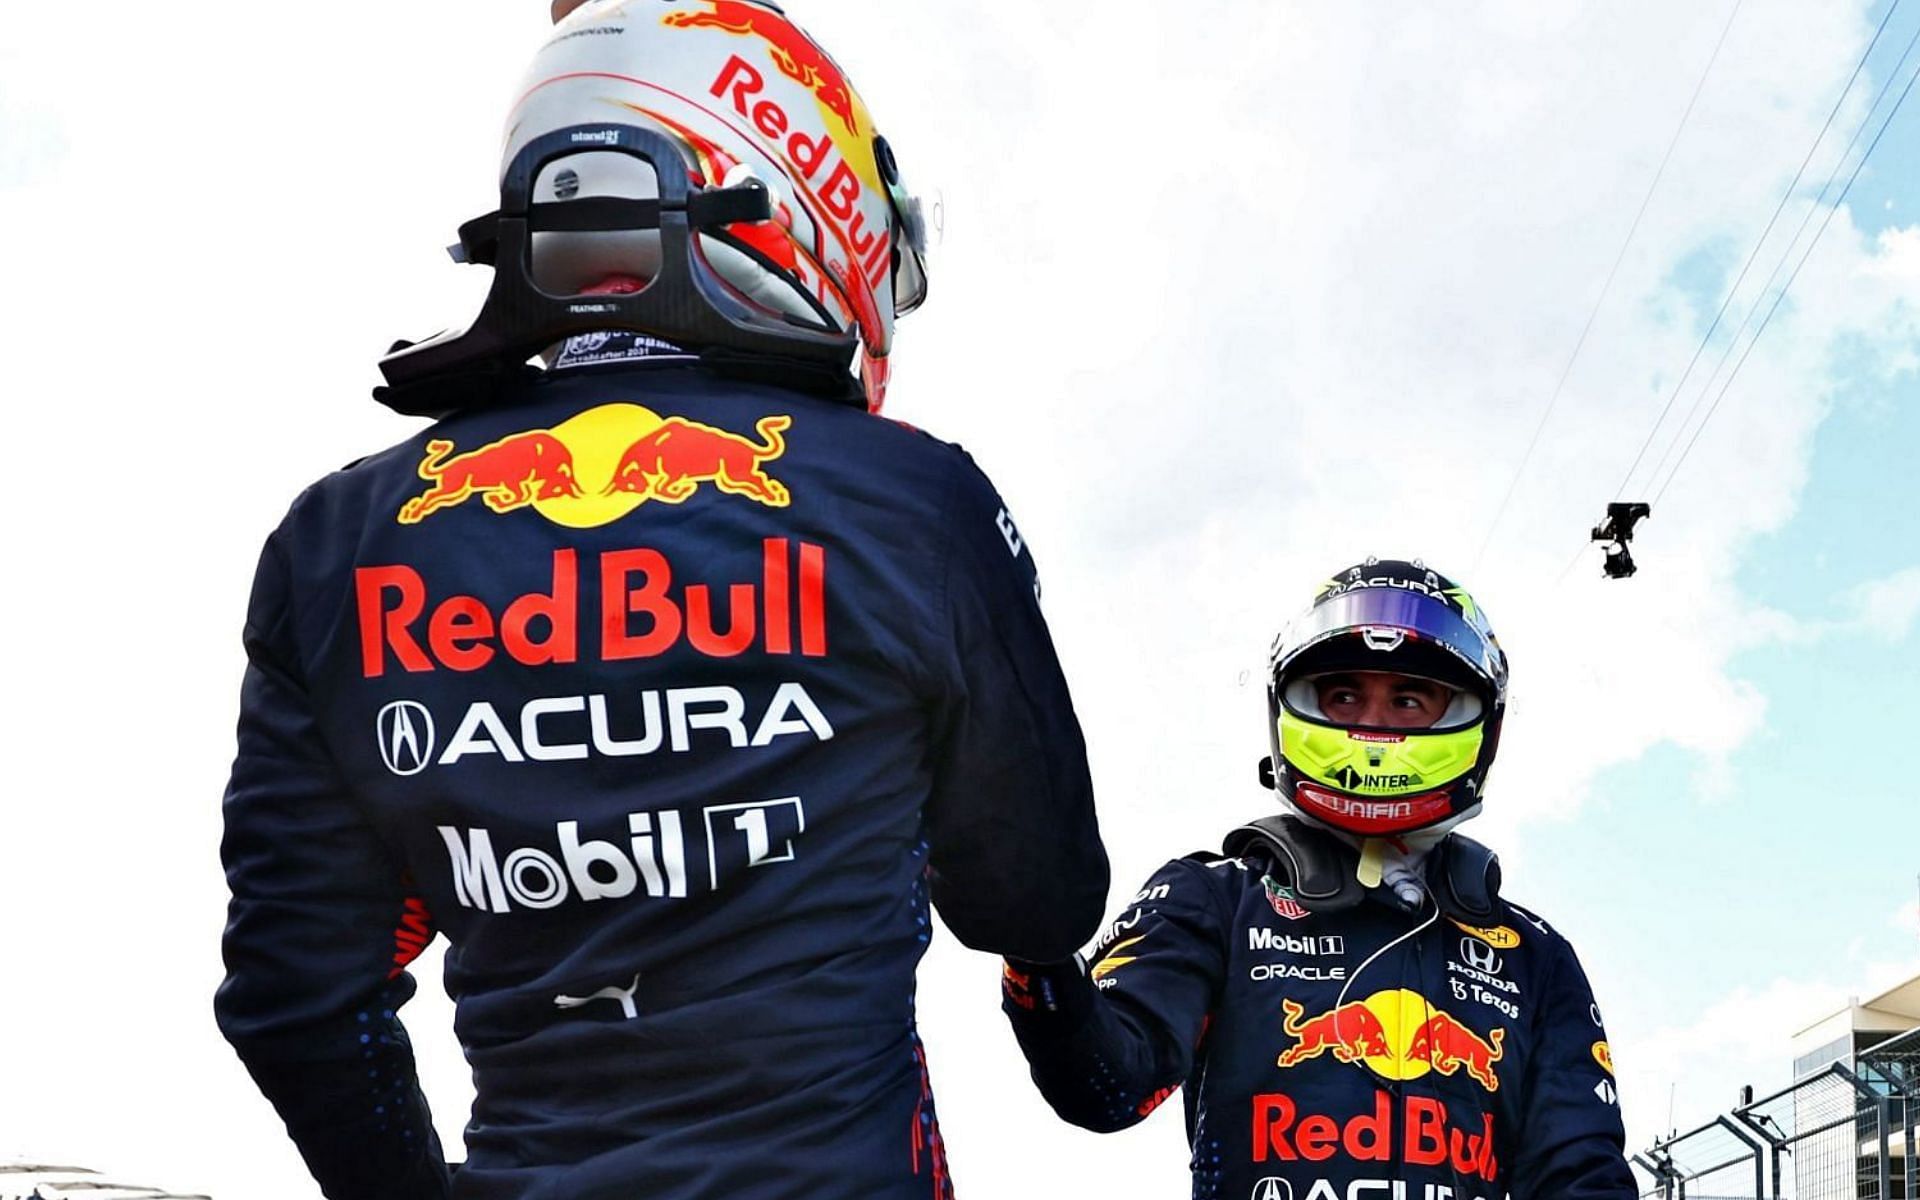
742, 837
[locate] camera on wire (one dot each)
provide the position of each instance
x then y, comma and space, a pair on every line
1616, 533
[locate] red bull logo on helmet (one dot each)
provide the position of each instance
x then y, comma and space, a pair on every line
599, 466
838, 170
792, 51
1398, 1034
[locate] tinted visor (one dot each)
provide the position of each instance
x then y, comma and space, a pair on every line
910, 232
1391, 629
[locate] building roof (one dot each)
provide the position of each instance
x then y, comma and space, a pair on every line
1901, 1000
1895, 1010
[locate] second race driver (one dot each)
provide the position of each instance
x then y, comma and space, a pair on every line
1351, 1006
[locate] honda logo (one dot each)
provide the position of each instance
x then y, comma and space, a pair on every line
405, 732
1480, 956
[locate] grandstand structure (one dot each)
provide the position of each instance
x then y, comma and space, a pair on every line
1844, 1129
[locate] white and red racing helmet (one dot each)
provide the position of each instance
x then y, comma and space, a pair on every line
749, 98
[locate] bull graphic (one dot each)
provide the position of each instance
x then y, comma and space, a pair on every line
671, 462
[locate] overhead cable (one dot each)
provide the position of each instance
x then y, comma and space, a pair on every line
1841, 199
1607, 287
1786, 196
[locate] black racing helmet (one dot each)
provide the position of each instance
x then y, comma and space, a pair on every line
1386, 615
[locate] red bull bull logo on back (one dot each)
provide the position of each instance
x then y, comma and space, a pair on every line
508, 474
601, 465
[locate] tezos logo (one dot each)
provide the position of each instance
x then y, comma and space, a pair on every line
405, 731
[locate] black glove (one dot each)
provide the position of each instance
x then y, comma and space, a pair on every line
1056, 991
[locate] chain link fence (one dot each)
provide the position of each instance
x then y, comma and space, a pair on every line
1843, 1133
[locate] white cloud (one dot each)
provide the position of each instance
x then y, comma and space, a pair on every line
1694, 1069
1881, 610
1900, 253
1906, 917
1886, 608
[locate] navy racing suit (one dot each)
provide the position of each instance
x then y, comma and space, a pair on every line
672, 701
1462, 1063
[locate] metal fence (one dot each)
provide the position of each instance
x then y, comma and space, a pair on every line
1844, 1133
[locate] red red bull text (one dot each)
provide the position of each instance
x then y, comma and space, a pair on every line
642, 614
839, 188
1425, 1128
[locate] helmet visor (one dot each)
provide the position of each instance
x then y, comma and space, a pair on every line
912, 225
1392, 764
1391, 629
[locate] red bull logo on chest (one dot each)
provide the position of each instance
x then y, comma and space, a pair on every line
1398, 1034
599, 466
1419, 1131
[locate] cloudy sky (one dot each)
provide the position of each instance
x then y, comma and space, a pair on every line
1230, 294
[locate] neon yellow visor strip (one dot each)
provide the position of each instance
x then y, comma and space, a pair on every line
1383, 764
